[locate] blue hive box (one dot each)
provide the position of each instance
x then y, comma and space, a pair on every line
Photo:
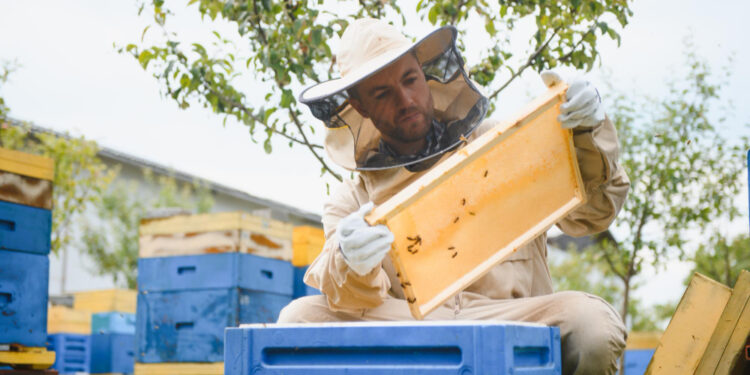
24, 283
186, 302
636, 361
72, 352
300, 288
113, 322
452, 347
25, 228
112, 353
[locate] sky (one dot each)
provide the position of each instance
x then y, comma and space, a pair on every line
71, 78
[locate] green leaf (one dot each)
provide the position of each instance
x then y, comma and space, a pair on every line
286, 98
267, 146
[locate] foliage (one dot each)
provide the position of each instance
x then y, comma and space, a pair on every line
112, 240
6, 68
723, 259
685, 175
80, 177
285, 46
579, 270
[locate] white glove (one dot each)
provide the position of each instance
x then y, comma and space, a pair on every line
362, 245
583, 106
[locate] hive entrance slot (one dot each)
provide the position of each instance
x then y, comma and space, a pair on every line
354, 356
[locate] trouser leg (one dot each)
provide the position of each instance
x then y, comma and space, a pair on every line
314, 309
591, 331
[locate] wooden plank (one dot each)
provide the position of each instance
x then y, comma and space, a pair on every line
214, 222
27, 164
482, 203
733, 329
108, 300
184, 368
727, 325
29, 357
61, 319
25, 190
216, 233
643, 340
307, 243
688, 333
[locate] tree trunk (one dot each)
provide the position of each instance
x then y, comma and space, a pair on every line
624, 316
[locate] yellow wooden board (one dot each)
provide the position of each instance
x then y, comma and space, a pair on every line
108, 300
27, 164
643, 340
684, 342
482, 203
182, 368
29, 357
729, 321
25, 190
216, 233
61, 319
307, 243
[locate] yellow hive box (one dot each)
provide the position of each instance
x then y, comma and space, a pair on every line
307, 243
108, 300
27, 357
216, 233
25, 164
61, 319
184, 368
684, 342
521, 176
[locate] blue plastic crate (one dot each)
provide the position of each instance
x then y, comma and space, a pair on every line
112, 353
188, 326
24, 284
300, 288
228, 270
72, 352
113, 322
25, 228
393, 348
636, 361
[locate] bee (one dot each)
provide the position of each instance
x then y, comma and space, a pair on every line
471, 213
403, 286
485, 172
451, 248
407, 283
398, 274
463, 202
455, 220
454, 254
411, 300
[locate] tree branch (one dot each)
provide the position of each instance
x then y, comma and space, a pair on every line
458, 10
567, 55
526, 65
241, 107
320, 159
612, 265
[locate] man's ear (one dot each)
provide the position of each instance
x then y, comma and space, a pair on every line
357, 105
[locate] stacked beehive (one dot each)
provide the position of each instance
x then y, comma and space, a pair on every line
25, 228
199, 274
69, 335
112, 329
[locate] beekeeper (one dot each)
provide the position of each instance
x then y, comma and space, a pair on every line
400, 108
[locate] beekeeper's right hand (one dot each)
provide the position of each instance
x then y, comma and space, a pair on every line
362, 245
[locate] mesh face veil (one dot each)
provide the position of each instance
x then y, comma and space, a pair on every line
352, 141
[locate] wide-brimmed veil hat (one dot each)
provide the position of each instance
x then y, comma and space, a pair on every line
368, 46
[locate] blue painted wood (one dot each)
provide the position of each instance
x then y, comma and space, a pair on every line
300, 288
394, 348
25, 228
113, 322
72, 352
636, 361
24, 283
112, 353
188, 326
228, 270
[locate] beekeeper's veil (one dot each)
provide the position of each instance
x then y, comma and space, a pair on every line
369, 45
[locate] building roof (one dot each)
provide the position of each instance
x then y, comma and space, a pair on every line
124, 158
